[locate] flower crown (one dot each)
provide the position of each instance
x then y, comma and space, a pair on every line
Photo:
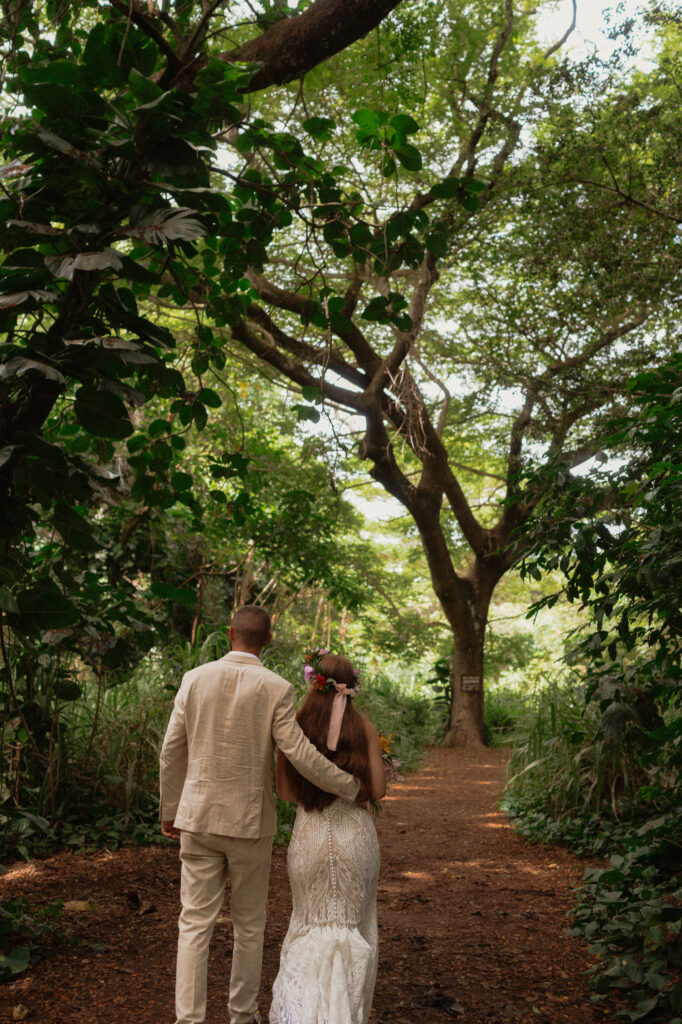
316, 678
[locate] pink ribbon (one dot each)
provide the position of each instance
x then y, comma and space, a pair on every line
338, 708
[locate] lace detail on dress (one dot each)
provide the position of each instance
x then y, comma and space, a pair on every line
329, 956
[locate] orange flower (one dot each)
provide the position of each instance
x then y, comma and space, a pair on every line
320, 682
386, 742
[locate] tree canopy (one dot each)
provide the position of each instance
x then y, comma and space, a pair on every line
470, 262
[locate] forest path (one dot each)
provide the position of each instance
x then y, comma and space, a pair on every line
472, 919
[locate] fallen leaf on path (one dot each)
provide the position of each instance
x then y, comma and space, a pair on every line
435, 997
142, 905
19, 1012
80, 906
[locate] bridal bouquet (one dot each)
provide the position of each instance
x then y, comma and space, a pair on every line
391, 764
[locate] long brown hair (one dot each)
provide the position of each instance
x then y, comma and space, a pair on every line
351, 753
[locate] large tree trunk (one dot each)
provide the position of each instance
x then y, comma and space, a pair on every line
468, 622
466, 676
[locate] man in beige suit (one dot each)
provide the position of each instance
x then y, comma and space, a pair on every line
217, 797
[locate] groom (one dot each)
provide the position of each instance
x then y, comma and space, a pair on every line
217, 798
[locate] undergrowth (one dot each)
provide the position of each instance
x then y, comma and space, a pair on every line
22, 933
105, 769
568, 784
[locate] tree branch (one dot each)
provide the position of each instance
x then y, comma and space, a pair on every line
295, 371
291, 47
132, 11
305, 352
294, 303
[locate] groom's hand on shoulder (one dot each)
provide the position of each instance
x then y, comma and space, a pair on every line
169, 830
363, 796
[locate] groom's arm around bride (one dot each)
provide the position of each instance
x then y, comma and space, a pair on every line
217, 794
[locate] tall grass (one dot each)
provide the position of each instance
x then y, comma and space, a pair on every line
115, 733
111, 737
563, 765
617, 796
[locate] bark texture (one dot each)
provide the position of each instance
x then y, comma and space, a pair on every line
466, 714
291, 47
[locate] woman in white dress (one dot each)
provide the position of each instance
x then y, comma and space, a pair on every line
328, 963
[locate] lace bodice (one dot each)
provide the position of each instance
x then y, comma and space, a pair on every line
329, 956
333, 864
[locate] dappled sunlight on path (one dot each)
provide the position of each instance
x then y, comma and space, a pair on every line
470, 909
472, 919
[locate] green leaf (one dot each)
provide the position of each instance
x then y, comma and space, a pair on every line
75, 530
339, 323
471, 185
182, 595
333, 230
447, 188
311, 393
437, 243
320, 128
644, 1007
8, 602
676, 997
410, 157
143, 89
6, 453
210, 398
469, 202
239, 462
15, 961
44, 607
199, 415
69, 691
403, 124
102, 413
375, 309
137, 443
306, 412
369, 120
182, 481
361, 234
155, 429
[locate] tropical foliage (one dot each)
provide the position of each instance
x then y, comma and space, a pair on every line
443, 255
602, 764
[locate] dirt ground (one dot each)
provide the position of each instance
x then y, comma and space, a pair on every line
472, 920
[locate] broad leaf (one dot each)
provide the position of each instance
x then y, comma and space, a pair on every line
102, 413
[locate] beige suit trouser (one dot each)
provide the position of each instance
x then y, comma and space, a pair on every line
207, 860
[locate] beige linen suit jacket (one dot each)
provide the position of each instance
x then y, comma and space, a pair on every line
218, 751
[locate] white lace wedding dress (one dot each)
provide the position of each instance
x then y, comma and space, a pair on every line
328, 962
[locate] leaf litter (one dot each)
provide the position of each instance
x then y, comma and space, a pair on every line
472, 919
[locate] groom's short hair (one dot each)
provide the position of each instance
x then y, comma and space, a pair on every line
252, 625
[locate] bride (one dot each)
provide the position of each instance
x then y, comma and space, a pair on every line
328, 963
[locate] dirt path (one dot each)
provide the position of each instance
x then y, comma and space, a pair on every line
472, 920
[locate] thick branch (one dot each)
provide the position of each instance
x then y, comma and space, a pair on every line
295, 371
294, 303
469, 154
305, 352
405, 339
452, 591
132, 10
519, 427
437, 478
291, 47
595, 346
